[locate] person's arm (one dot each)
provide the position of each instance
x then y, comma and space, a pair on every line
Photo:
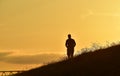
74, 43
66, 44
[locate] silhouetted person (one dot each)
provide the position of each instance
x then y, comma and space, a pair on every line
70, 44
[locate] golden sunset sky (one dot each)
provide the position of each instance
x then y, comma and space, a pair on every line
37, 27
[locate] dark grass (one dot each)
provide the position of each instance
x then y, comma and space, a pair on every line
103, 62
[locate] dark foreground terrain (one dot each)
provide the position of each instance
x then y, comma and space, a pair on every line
103, 62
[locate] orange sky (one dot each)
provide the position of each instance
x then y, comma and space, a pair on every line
41, 26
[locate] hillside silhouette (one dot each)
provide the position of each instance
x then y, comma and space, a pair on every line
102, 62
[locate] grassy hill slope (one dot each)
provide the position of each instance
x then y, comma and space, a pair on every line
103, 62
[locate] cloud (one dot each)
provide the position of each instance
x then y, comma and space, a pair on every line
4, 54
107, 14
87, 13
115, 14
32, 59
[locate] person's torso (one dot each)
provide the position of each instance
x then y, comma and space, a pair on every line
70, 42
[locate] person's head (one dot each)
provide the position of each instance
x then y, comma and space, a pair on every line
69, 36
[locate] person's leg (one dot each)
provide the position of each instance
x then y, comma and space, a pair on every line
68, 53
72, 52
